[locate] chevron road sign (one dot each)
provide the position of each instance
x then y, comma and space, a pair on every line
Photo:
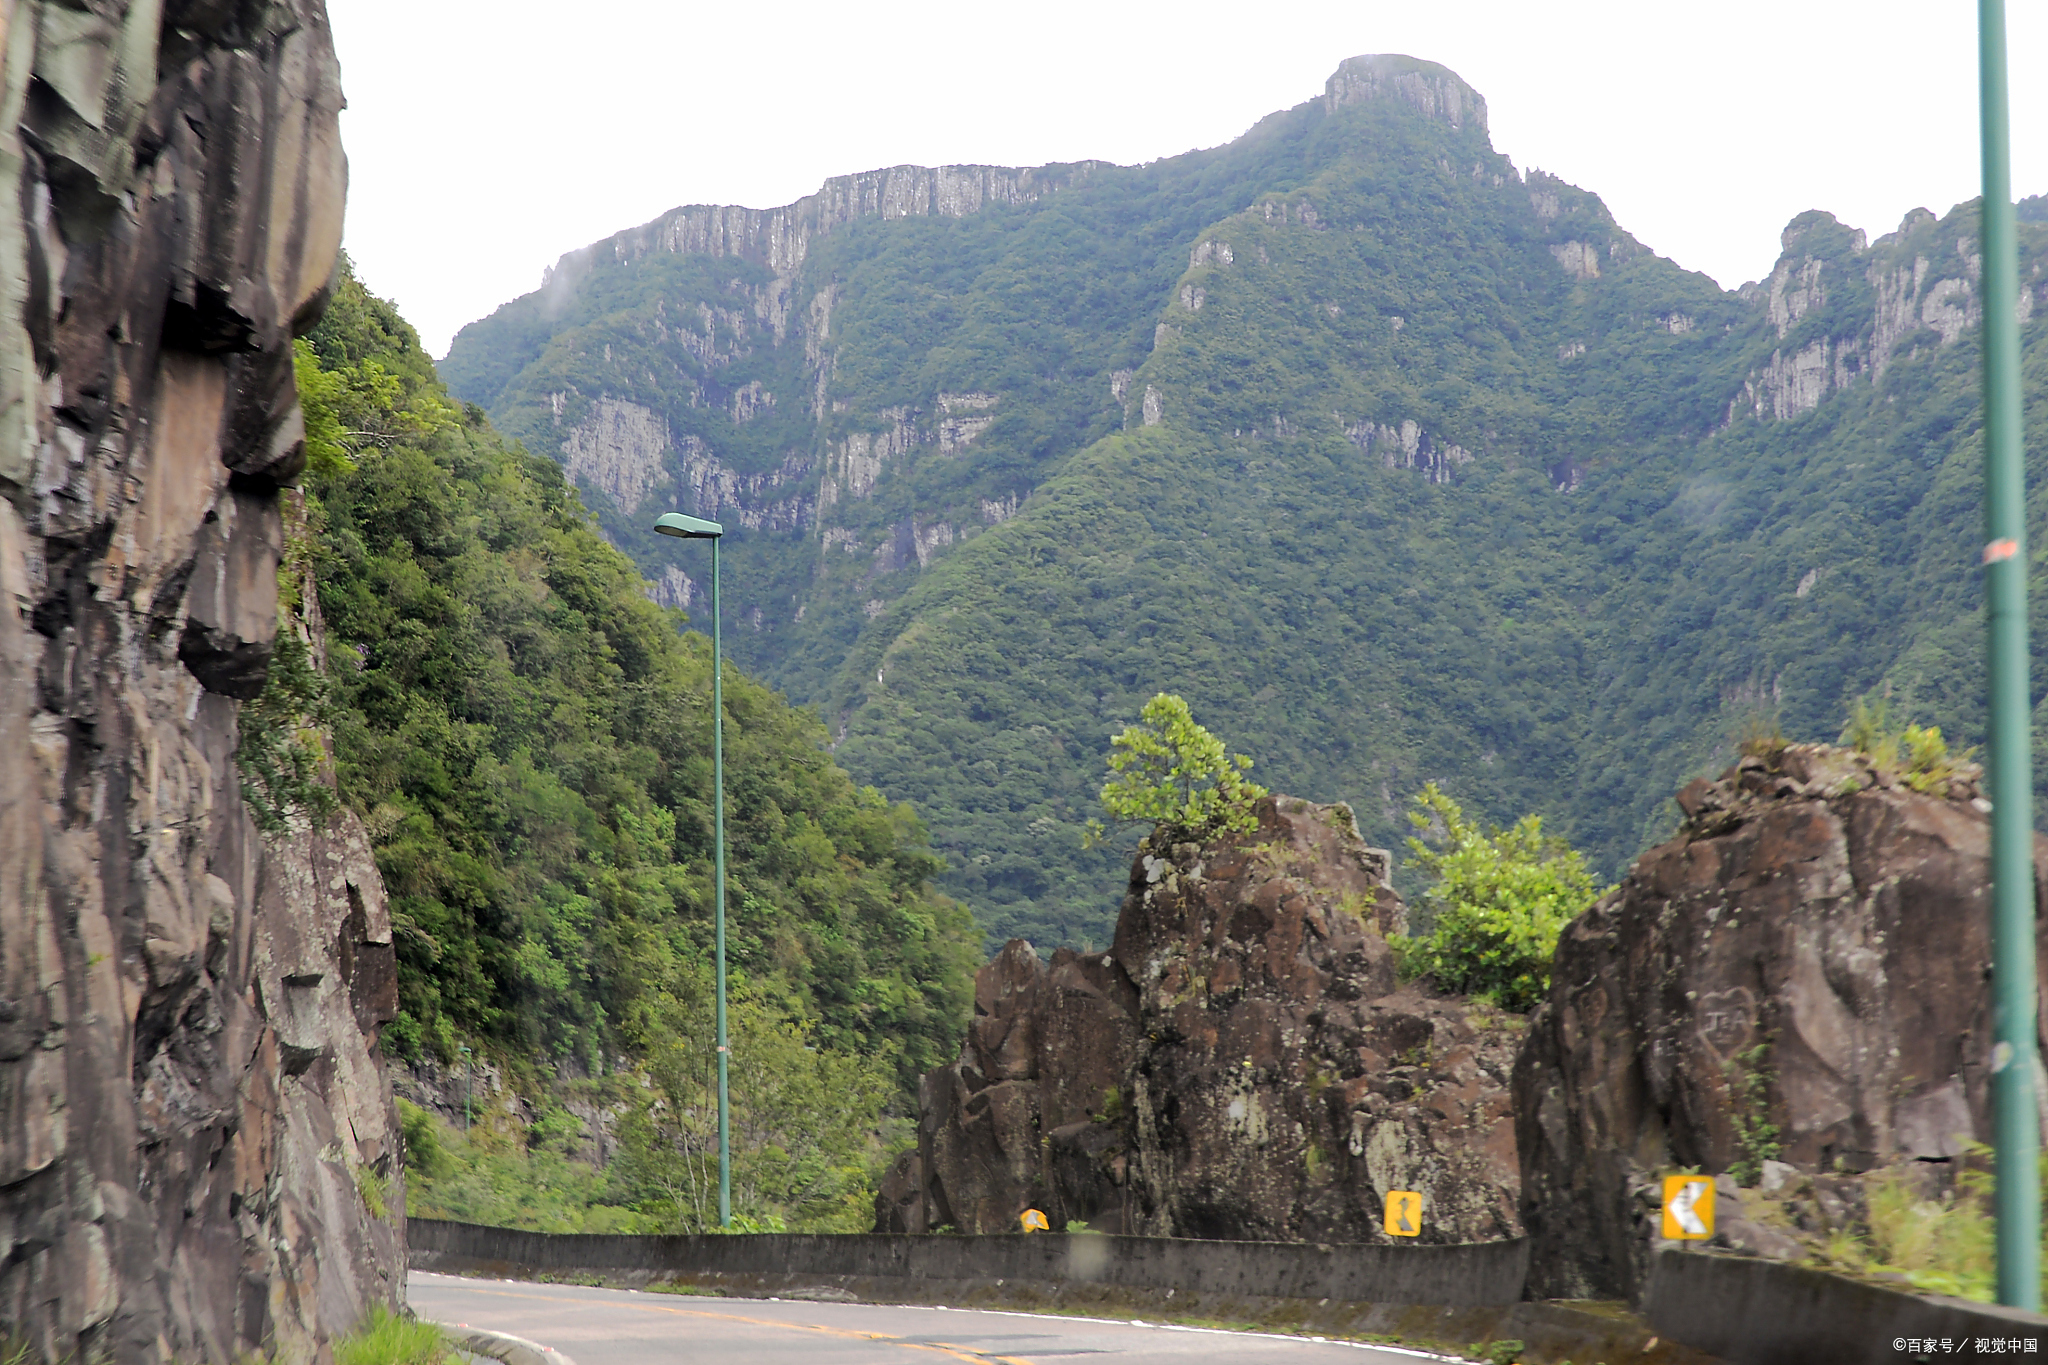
1688, 1207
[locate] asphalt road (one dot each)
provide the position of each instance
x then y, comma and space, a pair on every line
620, 1327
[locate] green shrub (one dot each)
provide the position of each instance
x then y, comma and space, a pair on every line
375, 1189
804, 1121
491, 1178
1756, 1137
1761, 735
401, 1037
1172, 773
425, 1156
1917, 755
281, 751
1498, 904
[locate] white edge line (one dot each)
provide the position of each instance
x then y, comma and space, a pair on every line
1210, 1331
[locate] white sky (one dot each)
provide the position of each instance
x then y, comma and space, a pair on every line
485, 139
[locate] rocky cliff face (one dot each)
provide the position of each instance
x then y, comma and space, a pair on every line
197, 1149
780, 238
1241, 1064
1810, 953
1840, 308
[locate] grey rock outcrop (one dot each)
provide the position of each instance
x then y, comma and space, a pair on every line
1433, 90
198, 1154
1242, 1064
1838, 308
1809, 953
780, 238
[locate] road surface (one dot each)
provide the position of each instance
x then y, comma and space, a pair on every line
620, 1327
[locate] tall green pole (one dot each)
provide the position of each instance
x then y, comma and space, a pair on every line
685, 527
718, 823
2015, 1121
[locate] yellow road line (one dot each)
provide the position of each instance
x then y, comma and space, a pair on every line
939, 1347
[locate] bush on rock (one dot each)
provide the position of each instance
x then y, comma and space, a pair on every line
1499, 903
1170, 772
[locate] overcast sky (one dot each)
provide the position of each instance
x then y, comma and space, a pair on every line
485, 139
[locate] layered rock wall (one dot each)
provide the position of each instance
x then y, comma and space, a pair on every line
197, 1148
1242, 1064
1804, 967
780, 238
1431, 89
1840, 308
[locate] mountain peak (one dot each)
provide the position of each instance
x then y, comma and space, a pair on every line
1436, 90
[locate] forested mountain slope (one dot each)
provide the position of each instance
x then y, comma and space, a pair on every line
1397, 462
528, 741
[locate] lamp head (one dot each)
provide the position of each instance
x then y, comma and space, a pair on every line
688, 528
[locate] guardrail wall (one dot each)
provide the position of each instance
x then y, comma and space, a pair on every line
1768, 1313
1474, 1275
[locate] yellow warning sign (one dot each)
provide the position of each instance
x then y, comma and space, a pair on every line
1404, 1213
1031, 1220
1688, 1207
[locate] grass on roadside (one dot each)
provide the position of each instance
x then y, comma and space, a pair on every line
386, 1338
1940, 1246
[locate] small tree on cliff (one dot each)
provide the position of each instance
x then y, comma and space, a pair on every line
1170, 772
1499, 903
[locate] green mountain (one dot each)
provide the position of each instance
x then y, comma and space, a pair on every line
1398, 462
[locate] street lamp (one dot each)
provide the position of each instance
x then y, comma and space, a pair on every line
468, 1071
696, 528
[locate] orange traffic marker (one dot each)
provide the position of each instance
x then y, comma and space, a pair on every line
1688, 1207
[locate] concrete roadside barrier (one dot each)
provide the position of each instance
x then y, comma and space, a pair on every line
1470, 1275
1757, 1312
502, 1346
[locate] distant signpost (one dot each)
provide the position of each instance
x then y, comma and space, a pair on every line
1404, 1213
1688, 1207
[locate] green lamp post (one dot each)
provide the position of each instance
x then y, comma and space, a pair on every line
2015, 1120
696, 528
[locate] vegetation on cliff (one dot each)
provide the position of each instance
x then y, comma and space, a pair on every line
1398, 462
1168, 772
1496, 903
528, 740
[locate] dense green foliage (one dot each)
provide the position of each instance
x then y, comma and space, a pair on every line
528, 741
1434, 474
503, 1178
1496, 903
280, 753
1169, 772
811, 1133
803, 1129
